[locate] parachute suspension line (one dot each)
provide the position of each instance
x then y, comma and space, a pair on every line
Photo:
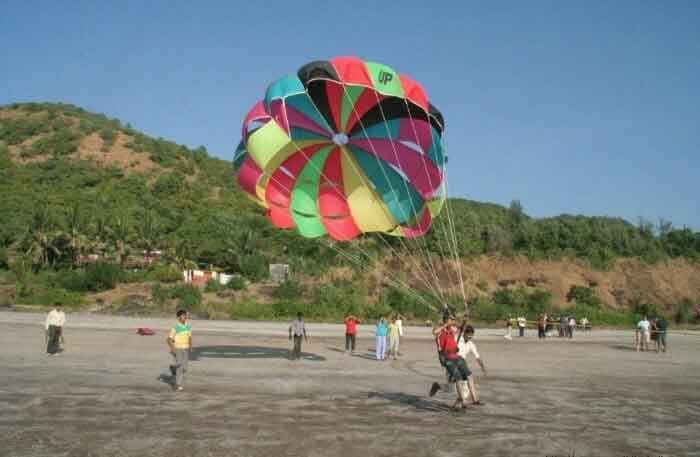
425, 253
454, 238
420, 273
434, 285
442, 220
296, 146
395, 283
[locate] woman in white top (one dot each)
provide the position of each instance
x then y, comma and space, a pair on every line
466, 346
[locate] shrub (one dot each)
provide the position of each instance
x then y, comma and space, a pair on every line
236, 283
213, 286
684, 313
52, 297
95, 277
165, 273
190, 296
289, 290
337, 298
254, 266
584, 296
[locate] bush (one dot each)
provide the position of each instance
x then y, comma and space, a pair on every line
165, 273
684, 313
52, 297
190, 296
236, 283
584, 296
213, 286
254, 267
4, 263
289, 290
337, 298
96, 277
411, 304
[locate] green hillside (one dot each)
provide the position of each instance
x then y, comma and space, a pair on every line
74, 183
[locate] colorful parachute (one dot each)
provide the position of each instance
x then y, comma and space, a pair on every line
344, 147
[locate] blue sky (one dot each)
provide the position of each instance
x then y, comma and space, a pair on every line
571, 107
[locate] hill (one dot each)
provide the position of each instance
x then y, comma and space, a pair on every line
76, 184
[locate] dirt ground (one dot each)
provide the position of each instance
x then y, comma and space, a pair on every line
108, 395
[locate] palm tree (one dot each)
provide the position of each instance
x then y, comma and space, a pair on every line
147, 231
120, 230
41, 241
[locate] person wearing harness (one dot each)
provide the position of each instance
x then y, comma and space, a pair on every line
456, 367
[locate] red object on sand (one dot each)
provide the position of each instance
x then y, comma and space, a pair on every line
145, 331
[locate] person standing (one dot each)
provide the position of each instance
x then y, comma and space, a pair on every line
522, 322
509, 328
350, 333
541, 326
180, 342
399, 324
563, 331
455, 365
643, 326
297, 329
381, 332
55, 321
572, 326
661, 327
393, 339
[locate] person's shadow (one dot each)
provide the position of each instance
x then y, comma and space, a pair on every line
247, 352
419, 403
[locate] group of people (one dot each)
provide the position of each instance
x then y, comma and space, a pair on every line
567, 325
651, 330
391, 329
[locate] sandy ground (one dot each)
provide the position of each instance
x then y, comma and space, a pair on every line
108, 395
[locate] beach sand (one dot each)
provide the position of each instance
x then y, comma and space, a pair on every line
107, 394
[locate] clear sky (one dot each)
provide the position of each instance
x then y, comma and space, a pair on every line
589, 107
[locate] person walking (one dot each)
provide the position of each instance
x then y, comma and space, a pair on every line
572, 326
522, 322
297, 330
466, 346
180, 343
350, 333
381, 331
55, 321
455, 365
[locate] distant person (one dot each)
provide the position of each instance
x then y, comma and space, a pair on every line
643, 327
584, 323
522, 322
399, 324
350, 333
509, 328
572, 326
541, 326
661, 328
563, 326
380, 332
55, 321
466, 346
653, 333
297, 330
393, 332
180, 343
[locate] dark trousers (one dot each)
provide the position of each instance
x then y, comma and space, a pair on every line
349, 342
296, 352
457, 369
53, 339
571, 331
522, 331
540, 332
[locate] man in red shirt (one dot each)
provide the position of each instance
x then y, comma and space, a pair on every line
449, 355
350, 333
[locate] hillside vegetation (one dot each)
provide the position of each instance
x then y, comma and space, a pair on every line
75, 184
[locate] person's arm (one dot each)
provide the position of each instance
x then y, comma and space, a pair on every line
171, 340
290, 331
437, 330
303, 328
48, 318
478, 358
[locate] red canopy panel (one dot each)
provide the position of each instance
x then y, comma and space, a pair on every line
332, 203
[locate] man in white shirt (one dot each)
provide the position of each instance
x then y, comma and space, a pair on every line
466, 346
643, 329
399, 324
55, 321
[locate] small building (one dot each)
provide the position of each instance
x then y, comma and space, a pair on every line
279, 272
